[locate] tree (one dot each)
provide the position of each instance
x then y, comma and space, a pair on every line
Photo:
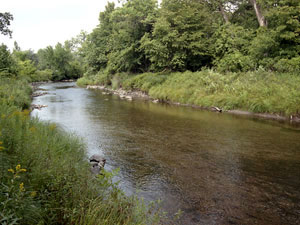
60, 61
5, 19
97, 45
7, 63
181, 35
130, 23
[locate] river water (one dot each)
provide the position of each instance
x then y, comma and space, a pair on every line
216, 168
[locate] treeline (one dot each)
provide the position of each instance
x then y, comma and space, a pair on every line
180, 35
56, 63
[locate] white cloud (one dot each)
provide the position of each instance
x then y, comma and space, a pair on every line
38, 24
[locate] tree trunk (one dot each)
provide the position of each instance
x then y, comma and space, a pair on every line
261, 19
225, 17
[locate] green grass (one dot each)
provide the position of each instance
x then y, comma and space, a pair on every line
45, 176
259, 91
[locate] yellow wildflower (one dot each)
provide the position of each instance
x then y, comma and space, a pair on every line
22, 187
11, 170
18, 167
1, 148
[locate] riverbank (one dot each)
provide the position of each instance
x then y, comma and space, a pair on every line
258, 94
45, 176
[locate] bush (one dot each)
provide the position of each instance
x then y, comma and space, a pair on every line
143, 81
15, 92
288, 65
83, 81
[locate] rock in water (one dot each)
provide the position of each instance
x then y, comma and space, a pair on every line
97, 163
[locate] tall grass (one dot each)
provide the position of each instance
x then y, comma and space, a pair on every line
262, 92
45, 176
259, 91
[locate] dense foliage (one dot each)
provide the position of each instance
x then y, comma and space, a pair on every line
57, 63
230, 36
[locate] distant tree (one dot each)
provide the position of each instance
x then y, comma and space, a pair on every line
7, 63
60, 61
5, 19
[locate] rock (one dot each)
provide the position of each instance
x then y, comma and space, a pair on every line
37, 94
33, 106
96, 169
94, 164
155, 101
129, 98
97, 158
214, 108
97, 163
95, 87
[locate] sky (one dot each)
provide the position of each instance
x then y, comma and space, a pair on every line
40, 23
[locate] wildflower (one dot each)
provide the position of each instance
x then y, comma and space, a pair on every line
18, 170
1, 148
18, 167
11, 170
22, 187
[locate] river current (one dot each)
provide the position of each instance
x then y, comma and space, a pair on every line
216, 168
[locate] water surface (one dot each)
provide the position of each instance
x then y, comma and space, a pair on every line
216, 168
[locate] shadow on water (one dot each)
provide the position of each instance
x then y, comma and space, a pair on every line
216, 168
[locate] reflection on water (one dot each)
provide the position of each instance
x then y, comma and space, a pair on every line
216, 168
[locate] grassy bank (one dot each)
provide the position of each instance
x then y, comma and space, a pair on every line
45, 176
260, 91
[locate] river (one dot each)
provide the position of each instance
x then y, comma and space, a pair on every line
216, 168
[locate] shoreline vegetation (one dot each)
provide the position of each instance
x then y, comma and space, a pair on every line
259, 94
45, 174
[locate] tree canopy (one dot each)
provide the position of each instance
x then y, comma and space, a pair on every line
228, 35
